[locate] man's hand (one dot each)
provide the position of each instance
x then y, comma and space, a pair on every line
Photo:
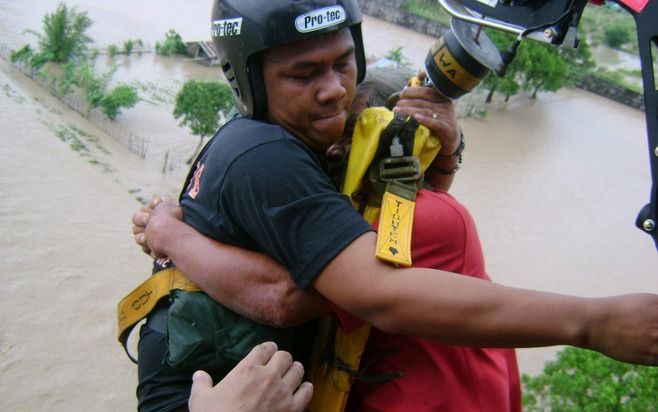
162, 208
265, 380
437, 113
625, 328
433, 111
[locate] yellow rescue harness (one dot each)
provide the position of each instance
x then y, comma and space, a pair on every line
337, 353
139, 303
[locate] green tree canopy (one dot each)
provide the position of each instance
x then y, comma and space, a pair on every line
173, 44
616, 35
64, 34
201, 105
536, 67
542, 67
579, 60
508, 84
118, 98
584, 381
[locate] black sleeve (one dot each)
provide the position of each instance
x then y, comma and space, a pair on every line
280, 196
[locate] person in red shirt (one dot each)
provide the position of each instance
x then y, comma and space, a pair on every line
426, 375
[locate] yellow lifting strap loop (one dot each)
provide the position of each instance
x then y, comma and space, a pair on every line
331, 385
396, 223
139, 303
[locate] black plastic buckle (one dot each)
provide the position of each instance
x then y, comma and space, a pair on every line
402, 169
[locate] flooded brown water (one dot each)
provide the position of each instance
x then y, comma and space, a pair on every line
554, 185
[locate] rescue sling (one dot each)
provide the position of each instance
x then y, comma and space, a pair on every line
387, 158
381, 180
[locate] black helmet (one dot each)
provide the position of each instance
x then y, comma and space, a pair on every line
241, 29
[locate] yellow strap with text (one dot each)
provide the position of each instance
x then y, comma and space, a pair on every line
142, 300
396, 223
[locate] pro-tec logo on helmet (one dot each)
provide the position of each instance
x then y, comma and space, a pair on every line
320, 19
228, 27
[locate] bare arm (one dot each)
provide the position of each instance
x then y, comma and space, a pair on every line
247, 282
466, 311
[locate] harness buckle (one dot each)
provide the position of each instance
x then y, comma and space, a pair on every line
402, 169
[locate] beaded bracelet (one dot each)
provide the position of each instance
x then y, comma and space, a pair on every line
460, 148
457, 153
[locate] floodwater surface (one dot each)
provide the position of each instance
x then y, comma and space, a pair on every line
553, 183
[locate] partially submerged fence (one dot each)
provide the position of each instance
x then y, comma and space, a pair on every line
136, 144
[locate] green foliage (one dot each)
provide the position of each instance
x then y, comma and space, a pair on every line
128, 46
542, 67
597, 20
67, 79
616, 35
24, 54
508, 84
173, 44
118, 98
63, 37
201, 105
93, 85
112, 50
584, 381
28, 56
64, 41
579, 61
536, 67
427, 9
398, 57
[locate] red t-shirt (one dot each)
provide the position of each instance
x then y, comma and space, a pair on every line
437, 377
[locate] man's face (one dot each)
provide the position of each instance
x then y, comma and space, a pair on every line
310, 85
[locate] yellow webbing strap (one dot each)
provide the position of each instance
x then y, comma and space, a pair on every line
331, 384
142, 300
396, 223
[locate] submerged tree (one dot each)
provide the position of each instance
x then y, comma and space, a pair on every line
541, 67
172, 44
118, 98
507, 84
64, 35
64, 41
202, 105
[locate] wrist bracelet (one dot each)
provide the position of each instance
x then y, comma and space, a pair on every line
460, 148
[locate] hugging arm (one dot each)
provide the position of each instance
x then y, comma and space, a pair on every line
247, 282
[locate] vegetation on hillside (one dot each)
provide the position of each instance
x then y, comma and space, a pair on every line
585, 381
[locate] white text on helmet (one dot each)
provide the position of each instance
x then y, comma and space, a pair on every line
320, 19
225, 28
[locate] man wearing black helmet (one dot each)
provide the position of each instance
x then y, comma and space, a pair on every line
261, 185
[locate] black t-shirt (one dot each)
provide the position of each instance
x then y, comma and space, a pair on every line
258, 187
